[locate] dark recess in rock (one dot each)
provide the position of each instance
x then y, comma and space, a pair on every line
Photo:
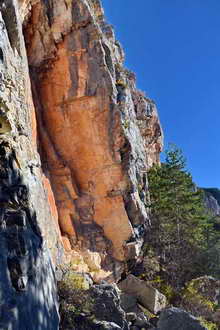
108, 58
1, 55
49, 10
8, 10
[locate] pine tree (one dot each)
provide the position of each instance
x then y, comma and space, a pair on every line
178, 218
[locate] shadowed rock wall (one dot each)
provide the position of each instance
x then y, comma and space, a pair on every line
27, 281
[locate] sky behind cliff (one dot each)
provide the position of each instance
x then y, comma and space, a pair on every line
173, 46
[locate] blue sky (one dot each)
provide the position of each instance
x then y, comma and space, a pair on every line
173, 46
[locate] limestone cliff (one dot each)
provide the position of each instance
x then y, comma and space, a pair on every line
97, 133
212, 200
73, 190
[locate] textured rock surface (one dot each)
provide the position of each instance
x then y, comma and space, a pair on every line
81, 203
177, 319
212, 200
27, 283
97, 133
146, 295
90, 306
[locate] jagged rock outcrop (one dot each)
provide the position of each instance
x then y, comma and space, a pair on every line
97, 133
74, 151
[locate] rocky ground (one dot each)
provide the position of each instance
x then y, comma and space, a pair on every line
136, 305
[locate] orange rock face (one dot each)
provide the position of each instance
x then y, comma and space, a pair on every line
96, 139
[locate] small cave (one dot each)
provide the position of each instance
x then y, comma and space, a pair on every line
10, 19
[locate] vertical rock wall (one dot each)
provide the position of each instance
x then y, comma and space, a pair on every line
27, 283
97, 133
82, 203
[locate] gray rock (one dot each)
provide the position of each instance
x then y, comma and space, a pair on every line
103, 325
142, 322
178, 319
128, 302
146, 295
107, 305
211, 203
101, 304
153, 321
27, 280
81, 322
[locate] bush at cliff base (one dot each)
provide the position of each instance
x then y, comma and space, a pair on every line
202, 297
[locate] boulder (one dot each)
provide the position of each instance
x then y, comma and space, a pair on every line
146, 295
178, 319
129, 303
107, 305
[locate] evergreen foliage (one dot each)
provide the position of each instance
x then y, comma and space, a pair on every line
182, 235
